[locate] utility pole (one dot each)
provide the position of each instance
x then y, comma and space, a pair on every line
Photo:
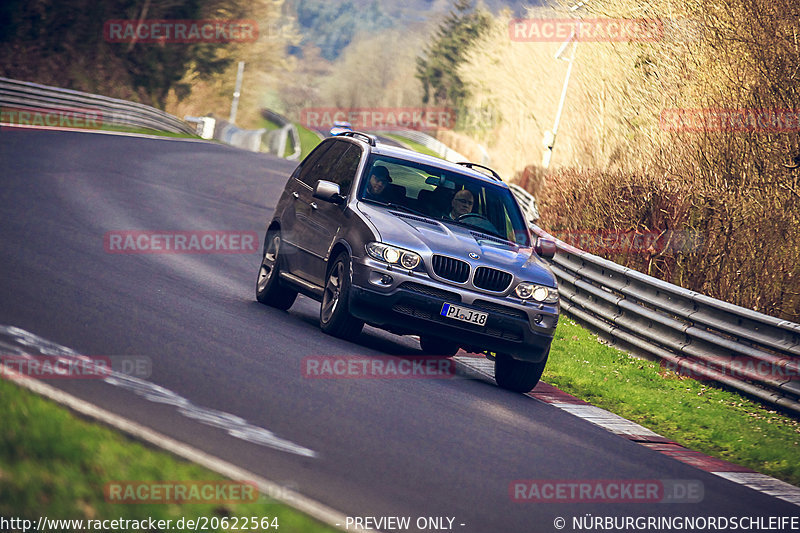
550, 136
237, 92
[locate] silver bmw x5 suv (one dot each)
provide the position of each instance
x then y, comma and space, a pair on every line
417, 246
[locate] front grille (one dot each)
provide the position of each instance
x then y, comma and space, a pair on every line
497, 308
451, 269
411, 311
492, 280
431, 291
504, 334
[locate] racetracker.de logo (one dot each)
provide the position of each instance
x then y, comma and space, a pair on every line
180, 492
180, 31
64, 117
606, 491
777, 371
731, 120
73, 366
586, 30
361, 367
379, 118
610, 241
180, 242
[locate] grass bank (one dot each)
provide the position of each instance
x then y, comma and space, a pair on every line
55, 464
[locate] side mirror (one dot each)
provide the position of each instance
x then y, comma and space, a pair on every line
545, 248
328, 191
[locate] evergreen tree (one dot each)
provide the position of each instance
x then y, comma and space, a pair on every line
437, 68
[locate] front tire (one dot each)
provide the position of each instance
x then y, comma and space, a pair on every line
334, 313
269, 290
517, 376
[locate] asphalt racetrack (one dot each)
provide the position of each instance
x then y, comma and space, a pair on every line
365, 447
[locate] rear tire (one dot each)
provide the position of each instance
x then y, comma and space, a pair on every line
269, 290
437, 346
517, 376
334, 313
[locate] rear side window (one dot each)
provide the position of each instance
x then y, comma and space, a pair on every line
345, 170
310, 162
322, 168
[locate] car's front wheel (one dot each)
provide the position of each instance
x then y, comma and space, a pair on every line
437, 346
269, 290
515, 375
334, 313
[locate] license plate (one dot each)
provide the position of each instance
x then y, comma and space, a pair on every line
464, 314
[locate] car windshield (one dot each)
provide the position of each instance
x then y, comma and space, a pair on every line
444, 195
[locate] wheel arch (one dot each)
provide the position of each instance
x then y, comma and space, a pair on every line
339, 247
275, 225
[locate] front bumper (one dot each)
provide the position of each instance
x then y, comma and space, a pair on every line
411, 304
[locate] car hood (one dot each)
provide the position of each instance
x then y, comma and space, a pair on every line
427, 236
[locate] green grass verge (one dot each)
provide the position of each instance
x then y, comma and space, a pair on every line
308, 140
55, 464
414, 145
267, 124
717, 422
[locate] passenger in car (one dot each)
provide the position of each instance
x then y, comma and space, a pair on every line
461, 204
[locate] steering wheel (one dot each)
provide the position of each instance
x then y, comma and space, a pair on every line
466, 216
478, 221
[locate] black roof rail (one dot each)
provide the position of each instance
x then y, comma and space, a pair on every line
371, 139
473, 166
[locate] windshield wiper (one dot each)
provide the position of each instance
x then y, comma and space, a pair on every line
405, 208
478, 231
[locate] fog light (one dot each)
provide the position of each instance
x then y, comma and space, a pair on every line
538, 319
386, 279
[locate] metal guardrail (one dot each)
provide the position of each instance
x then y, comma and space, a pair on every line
527, 202
23, 95
444, 151
233, 135
689, 332
276, 140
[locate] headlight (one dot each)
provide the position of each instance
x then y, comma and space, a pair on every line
393, 256
539, 293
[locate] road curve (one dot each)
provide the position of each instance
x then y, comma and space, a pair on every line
389, 447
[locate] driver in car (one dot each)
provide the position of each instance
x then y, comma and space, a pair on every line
461, 204
377, 185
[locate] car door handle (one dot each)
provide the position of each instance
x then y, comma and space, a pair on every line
295, 195
313, 205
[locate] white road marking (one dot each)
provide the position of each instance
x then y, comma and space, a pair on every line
22, 342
